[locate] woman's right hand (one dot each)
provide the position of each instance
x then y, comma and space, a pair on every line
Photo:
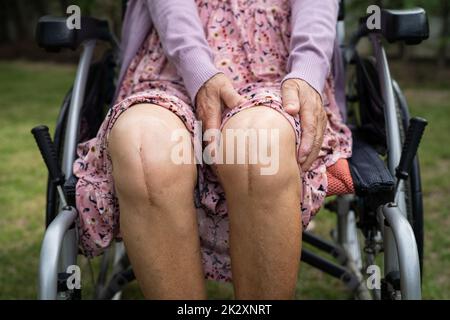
217, 93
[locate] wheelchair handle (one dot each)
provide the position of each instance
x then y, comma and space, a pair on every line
48, 152
410, 146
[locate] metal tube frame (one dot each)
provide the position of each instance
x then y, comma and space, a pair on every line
392, 250
60, 246
335, 270
406, 249
394, 142
73, 117
347, 230
52, 246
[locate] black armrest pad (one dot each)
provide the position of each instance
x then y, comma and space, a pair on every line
370, 175
53, 34
408, 25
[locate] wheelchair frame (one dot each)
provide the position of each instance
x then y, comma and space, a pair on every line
60, 245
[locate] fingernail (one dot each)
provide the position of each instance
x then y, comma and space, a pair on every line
302, 159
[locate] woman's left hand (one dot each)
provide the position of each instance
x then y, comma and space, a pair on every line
302, 99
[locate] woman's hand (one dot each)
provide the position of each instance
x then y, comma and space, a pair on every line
302, 99
213, 96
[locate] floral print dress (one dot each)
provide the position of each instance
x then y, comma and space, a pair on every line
250, 42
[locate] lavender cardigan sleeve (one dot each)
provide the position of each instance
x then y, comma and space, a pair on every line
312, 40
183, 40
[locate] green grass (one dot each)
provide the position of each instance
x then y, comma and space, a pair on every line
30, 94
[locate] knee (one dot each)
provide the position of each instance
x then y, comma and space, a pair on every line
141, 146
265, 140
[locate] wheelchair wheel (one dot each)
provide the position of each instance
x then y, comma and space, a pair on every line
115, 273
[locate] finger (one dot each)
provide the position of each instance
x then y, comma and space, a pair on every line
308, 122
230, 97
211, 117
318, 140
211, 121
290, 97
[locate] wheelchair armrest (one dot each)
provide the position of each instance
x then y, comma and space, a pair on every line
53, 34
408, 25
371, 178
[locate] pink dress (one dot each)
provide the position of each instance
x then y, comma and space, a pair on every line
250, 42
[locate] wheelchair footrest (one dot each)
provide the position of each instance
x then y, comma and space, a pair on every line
371, 177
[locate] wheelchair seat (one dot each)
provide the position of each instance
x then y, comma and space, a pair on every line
52, 33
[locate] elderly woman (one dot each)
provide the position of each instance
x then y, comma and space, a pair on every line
233, 65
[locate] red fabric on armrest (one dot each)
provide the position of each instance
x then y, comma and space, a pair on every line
339, 179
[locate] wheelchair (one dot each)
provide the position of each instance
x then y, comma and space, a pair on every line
377, 245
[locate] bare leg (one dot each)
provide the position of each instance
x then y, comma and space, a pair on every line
264, 211
157, 215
